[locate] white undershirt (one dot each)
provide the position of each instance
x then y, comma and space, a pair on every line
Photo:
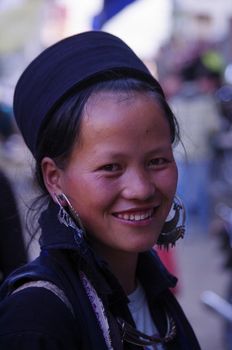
141, 315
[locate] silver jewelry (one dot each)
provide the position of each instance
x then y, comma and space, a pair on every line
134, 336
68, 216
174, 228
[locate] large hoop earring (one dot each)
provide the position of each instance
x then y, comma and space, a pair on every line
68, 216
174, 228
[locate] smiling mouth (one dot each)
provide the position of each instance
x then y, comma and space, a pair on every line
138, 216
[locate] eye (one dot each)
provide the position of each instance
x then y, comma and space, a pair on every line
111, 167
157, 162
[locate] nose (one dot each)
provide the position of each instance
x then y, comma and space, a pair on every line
138, 186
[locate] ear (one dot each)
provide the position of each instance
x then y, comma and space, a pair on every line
51, 176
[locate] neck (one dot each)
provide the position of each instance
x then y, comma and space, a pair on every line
123, 266
125, 271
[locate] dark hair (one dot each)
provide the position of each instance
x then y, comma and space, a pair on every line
60, 133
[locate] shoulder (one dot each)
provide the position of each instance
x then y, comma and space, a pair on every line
37, 313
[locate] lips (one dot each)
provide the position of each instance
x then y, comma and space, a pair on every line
135, 215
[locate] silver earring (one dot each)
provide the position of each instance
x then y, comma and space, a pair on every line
174, 228
68, 216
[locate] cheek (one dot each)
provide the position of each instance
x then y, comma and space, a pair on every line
94, 204
167, 182
168, 178
91, 195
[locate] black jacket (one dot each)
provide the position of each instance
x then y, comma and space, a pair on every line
35, 318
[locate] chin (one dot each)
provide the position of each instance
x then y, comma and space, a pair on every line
142, 246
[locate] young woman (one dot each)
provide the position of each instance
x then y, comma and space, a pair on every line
102, 133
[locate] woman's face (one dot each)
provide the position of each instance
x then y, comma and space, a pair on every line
122, 176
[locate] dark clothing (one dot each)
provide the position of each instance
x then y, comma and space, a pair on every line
12, 249
35, 318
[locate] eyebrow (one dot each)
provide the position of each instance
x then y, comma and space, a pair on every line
115, 154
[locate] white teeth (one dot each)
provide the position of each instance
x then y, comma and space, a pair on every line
135, 217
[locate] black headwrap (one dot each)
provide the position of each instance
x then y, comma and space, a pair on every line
65, 65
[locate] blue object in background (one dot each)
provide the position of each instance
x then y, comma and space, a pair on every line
109, 10
6, 121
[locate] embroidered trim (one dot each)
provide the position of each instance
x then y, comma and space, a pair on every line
98, 309
49, 286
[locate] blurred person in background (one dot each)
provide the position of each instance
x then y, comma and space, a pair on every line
12, 248
193, 101
102, 135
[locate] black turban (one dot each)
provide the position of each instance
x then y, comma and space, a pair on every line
65, 65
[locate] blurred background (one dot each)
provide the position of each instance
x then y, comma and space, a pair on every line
187, 45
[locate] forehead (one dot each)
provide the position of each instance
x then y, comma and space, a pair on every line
118, 97
133, 115
119, 106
